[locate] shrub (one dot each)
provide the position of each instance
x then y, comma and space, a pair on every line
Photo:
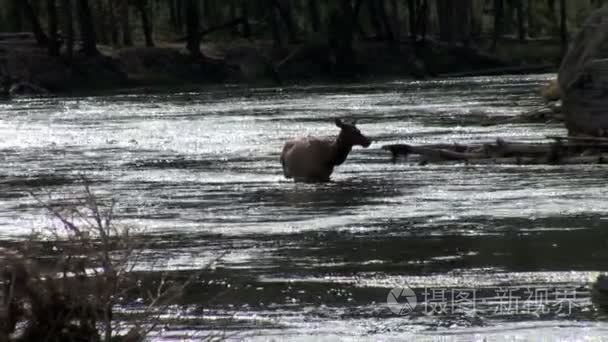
63, 283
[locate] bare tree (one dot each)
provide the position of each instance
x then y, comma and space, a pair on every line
521, 20
412, 18
315, 20
113, 22
424, 19
530, 15
193, 40
286, 14
127, 39
498, 22
32, 16
341, 36
245, 27
274, 24
461, 21
14, 15
563, 26
66, 6
374, 18
445, 17
395, 19
142, 7
87, 30
53, 45
386, 22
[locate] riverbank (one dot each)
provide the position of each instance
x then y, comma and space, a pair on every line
26, 69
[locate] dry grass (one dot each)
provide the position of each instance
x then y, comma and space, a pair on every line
64, 283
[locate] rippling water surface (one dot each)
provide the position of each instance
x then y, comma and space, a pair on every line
200, 173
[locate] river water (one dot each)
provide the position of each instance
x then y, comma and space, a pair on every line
496, 253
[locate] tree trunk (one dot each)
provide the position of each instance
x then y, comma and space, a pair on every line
521, 20
357, 24
498, 22
374, 18
100, 23
245, 27
423, 17
127, 39
193, 29
461, 21
395, 19
69, 28
357, 11
173, 15
552, 14
180, 14
142, 7
285, 11
15, 15
87, 31
509, 17
113, 23
315, 20
41, 38
341, 35
211, 15
477, 19
412, 19
445, 17
386, 22
274, 24
52, 19
530, 16
564, 26
233, 16
454, 20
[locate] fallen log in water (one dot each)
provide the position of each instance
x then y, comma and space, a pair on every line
581, 160
435, 152
591, 140
564, 150
550, 113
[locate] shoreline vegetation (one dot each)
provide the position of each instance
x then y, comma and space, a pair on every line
29, 71
67, 282
71, 47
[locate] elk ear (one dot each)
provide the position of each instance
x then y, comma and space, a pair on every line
339, 122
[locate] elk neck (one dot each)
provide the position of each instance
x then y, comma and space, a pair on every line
340, 150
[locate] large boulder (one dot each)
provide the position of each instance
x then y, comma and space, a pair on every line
307, 62
160, 65
583, 78
160, 61
37, 68
248, 64
26, 89
32, 71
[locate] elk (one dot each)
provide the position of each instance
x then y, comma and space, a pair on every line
312, 160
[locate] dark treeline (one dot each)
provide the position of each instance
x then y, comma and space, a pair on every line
62, 25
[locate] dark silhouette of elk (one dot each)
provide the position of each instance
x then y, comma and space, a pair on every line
313, 159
